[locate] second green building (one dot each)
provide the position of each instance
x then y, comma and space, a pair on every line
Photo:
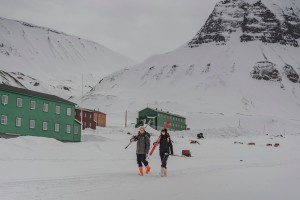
159, 118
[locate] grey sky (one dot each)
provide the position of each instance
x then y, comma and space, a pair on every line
135, 28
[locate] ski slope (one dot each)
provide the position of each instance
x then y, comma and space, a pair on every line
100, 167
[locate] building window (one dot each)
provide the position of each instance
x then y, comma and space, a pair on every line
45, 126
32, 123
3, 119
18, 121
19, 102
32, 105
69, 111
4, 99
56, 128
57, 110
68, 129
45, 108
75, 129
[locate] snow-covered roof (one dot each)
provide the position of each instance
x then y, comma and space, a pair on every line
33, 93
165, 112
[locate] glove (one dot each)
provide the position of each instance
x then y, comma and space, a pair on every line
133, 139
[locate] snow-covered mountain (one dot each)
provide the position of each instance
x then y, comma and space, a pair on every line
242, 65
54, 56
66, 89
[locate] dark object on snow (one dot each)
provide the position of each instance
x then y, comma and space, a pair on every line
186, 153
279, 136
276, 145
251, 143
238, 143
266, 70
128, 133
200, 136
194, 142
269, 145
36, 84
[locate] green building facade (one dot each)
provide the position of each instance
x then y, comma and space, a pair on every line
159, 118
26, 112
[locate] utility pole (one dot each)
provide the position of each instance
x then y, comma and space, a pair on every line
98, 124
81, 102
126, 119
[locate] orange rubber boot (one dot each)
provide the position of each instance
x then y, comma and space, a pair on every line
141, 171
148, 168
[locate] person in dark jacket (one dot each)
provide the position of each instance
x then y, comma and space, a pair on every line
165, 149
142, 150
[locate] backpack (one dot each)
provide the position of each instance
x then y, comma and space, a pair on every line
148, 134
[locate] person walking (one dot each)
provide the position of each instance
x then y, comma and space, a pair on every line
165, 149
142, 150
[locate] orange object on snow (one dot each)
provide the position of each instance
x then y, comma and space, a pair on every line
141, 171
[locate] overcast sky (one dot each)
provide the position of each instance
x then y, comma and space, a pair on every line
135, 28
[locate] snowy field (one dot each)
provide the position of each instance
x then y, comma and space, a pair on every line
100, 168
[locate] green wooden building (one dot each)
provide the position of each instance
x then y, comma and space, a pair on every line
159, 118
26, 112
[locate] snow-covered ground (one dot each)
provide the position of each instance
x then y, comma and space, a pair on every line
100, 168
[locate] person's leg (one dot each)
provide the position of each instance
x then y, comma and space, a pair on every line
144, 161
146, 164
161, 156
162, 169
164, 161
139, 162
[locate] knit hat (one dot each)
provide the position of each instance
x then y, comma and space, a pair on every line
165, 130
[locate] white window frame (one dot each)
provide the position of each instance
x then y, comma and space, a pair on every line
46, 107
19, 102
3, 119
69, 111
18, 121
4, 99
32, 124
45, 126
57, 110
68, 128
76, 130
56, 128
32, 105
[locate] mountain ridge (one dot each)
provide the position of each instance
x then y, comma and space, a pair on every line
252, 78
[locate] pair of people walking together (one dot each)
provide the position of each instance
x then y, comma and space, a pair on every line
143, 147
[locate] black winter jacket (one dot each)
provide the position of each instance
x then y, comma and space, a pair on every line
164, 145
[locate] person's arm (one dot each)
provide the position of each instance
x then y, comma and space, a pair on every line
134, 138
170, 146
147, 144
